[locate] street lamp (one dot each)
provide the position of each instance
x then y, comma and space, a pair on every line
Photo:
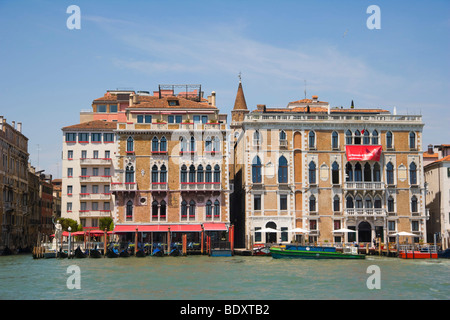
68, 249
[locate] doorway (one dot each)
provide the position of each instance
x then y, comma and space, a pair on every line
271, 237
364, 232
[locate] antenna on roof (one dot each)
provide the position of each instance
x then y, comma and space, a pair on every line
239, 76
305, 89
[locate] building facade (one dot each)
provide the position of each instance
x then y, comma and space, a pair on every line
437, 177
14, 185
172, 167
320, 168
88, 158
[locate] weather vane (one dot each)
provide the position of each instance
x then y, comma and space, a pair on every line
240, 78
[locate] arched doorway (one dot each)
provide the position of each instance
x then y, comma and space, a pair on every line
364, 232
271, 237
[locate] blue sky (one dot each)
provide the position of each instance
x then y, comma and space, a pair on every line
50, 73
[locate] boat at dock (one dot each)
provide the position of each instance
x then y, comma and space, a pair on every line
312, 252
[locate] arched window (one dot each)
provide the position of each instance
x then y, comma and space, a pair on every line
256, 170
129, 211
376, 172
348, 137
192, 144
208, 144
282, 170
192, 209
348, 172
412, 140
192, 173
358, 172
163, 144
183, 174
358, 202
130, 144
155, 210
154, 174
377, 202
366, 139
162, 210
312, 140
374, 137
208, 209
129, 173
282, 135
336, 204
216, 144
390, 173
216, 173
183, 209
390, 204
256, 138
155, 144
200, 173
357, 137
183, 145
367, 172
368, 202
335, 173
414, 207
216, 209
312, 172
208, 174
349, 202
334, 140
163, 174
389, 140
312, 203
412, 173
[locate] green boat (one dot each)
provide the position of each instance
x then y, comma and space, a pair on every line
311, 252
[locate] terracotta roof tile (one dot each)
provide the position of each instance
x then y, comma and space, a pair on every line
239, 103
157, 103
96, 125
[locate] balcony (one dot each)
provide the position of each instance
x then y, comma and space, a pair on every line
101, 179
95, 196
94, 213
159, 186
200, 186
283, 143
123, 186
96, 161
365, 212
367, 186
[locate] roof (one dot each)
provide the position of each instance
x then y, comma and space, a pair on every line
430, 155
444, 159
319, 109
239, 103
163, 103
309, 101
93, 125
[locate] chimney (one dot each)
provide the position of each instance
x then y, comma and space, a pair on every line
261, 107
19, 127
430, 149
213, 98
1, 123
13, 124
315, 98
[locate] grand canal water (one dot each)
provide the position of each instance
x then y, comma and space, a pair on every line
222, 278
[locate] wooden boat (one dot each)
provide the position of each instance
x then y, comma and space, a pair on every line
311, 252
94, 253
62, 254
158, 252
444, 254
417, 255
141, 253
79, 253
124, 253
175, 251
112, 253
260, 249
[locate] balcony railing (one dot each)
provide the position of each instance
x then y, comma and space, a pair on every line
94, 213
96, 161
95, 196
364, 185
159, 186
365, 212
104, 179
123, 186
200, 186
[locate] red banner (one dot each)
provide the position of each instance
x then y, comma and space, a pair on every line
362, 152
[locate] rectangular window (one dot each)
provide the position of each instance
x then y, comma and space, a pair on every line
94, 206
106, 206
83, 137
69, 154
284, 234
196, 119
69, 172
101, 108
83, 154
113, 108
69, 189
204, 119
171, 119
83, 172
71, 137
69, 206
96, 137
83, 189
415, 225
257, 234
257, 202
95, 172
95, 154
107, 154
283, 202
391, 225
140, 118
108, 137
106, 189
95, 189
148, 119
178, 119
83, 206
107, 172
312, 224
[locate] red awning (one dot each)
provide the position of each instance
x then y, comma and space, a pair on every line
153, 228
125, 228
186, 228
215, 227
363, 152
